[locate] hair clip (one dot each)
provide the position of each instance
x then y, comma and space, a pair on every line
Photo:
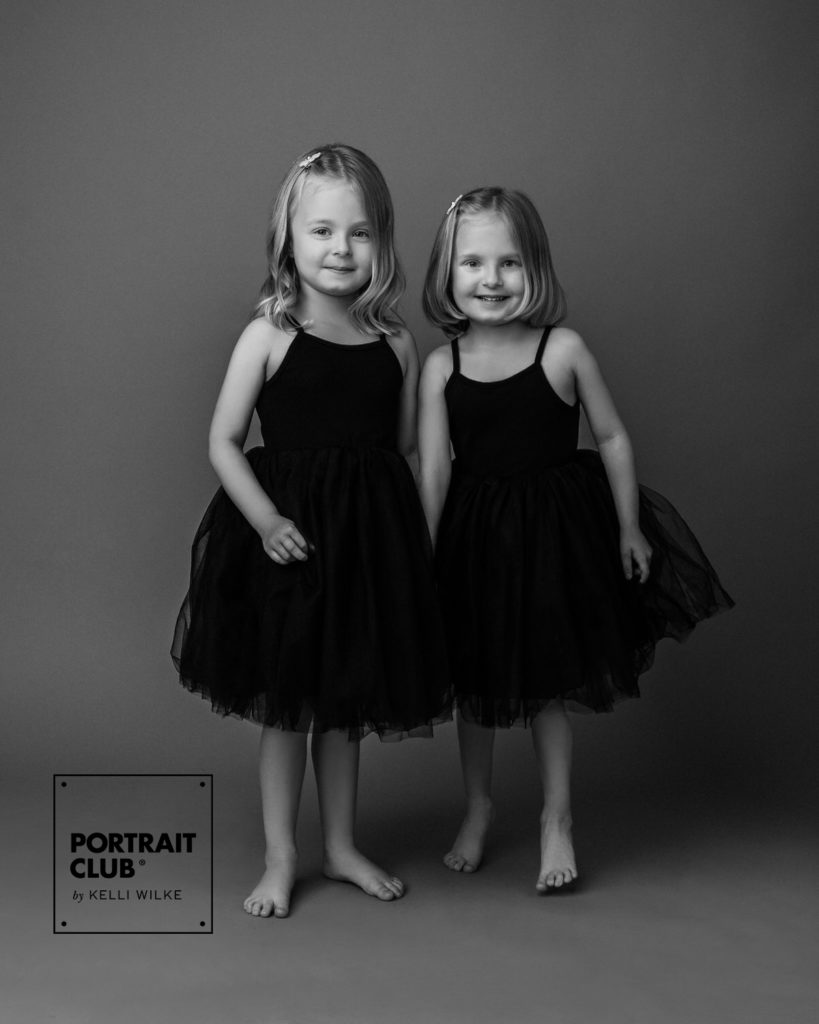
309, 159
453, 204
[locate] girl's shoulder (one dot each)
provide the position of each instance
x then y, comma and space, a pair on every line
402, 343
565, 341
263, 343
401, 338
260, 333
438, 365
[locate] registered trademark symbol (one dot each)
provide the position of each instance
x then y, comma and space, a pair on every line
142, 862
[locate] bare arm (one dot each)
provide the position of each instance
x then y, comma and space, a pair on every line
616, 453
433, 437
228, 433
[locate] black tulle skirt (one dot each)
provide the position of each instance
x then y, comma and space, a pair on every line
536, 604
351, 639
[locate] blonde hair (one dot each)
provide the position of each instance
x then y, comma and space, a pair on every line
543, 303
374, 308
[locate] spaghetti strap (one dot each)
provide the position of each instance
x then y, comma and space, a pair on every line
456, 356
542, 344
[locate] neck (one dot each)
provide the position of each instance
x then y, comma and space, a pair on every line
511, 333
323, 310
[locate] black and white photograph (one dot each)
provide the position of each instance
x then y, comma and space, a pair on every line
410, 544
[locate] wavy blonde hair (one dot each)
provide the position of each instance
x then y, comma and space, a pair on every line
374, 308
543, 303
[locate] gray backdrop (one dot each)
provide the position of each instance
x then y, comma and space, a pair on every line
671, 149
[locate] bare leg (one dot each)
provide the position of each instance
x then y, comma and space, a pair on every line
552, 737
476, 744
282, 757
335, 760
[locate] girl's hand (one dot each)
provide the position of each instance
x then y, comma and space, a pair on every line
283, 542
635, 552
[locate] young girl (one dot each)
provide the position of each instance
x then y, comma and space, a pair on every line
311, 603
558, 576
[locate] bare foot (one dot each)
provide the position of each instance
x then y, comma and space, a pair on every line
467, 850
351, 866
557, 866
272, 895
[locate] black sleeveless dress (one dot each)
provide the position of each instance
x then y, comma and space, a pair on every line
535, 600
351, 639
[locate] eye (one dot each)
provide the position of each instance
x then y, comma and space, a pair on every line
469, 263
362, 233
511, 263
321, 232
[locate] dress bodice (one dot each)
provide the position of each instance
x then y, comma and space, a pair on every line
327, 395
509, 426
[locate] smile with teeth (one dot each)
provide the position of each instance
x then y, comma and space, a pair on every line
492, 298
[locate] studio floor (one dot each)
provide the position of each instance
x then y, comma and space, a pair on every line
692, 911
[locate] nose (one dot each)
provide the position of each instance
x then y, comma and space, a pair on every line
491, 277
342, 246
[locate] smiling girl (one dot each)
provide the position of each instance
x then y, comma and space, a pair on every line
311, 604
558, 574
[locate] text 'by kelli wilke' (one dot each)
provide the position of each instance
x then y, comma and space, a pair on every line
103, 895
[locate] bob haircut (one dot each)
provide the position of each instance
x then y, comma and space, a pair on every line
543, 303
374, 308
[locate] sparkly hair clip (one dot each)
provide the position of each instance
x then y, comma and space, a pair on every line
453, 204
309, 159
